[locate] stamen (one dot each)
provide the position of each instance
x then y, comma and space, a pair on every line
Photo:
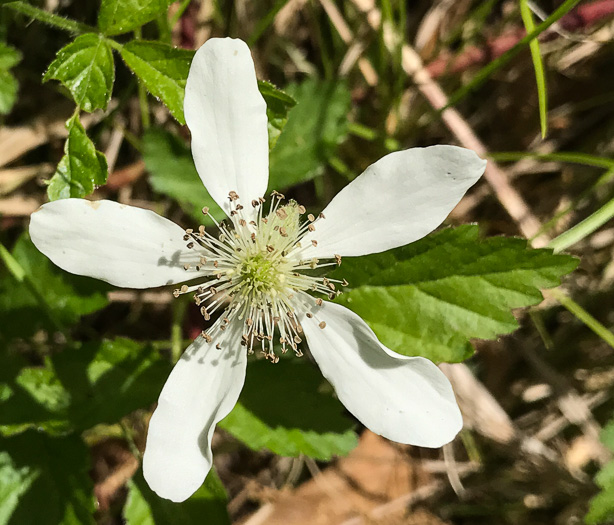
253, 274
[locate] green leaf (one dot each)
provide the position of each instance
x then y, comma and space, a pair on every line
315, 128
431, 297
45, 480
163, 69
86, 68
172, 173
82, 167
206, 505
278, 103
283, 408
9, 57
538, 65
98, 382
601, 507
121, 16
49, 18
23, 308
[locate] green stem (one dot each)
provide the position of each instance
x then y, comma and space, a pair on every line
143, 104
568, 303
583, 228
66, 24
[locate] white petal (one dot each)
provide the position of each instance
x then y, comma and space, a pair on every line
123, 245
405, 399
396, 201
202, 389
226, 115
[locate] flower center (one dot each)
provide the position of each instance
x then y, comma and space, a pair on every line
254, 273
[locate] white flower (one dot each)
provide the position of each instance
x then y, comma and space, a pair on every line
251, 276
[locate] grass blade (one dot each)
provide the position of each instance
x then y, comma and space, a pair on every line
538, 66
497, 64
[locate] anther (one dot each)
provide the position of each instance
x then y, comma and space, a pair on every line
311, 217
314, 242
283, 232
321, 216
255, 203
281, 213
232, 195
205, 210
311, 228
319, 302
218, 346
322, 325
190, 245
301, 209
338, 259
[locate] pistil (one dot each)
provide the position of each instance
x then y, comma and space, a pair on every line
254, 273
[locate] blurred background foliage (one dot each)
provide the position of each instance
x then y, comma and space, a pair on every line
91, 103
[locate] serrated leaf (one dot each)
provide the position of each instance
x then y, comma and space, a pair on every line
82, 167
121, 16
315, 128
278, 104
163, 69
98, 382
431, 297
86, 68
282, 408
68, 296
45, 480
9, 57
206, 505
172, 173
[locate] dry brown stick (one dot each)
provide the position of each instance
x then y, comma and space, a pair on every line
583, 17
507, 195
367, 70
12, 178
18, 206
16, 141
557, 425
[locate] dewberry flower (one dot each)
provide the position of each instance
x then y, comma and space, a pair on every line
253, 278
